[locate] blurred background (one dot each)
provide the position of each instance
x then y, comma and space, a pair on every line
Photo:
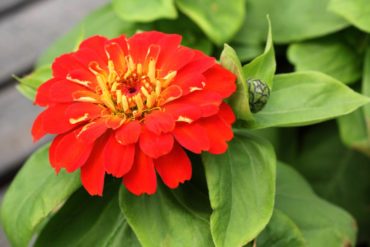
27, 27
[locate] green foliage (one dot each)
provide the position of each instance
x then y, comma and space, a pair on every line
241, 186
303, 98
34, 195
219, 19
331, 56
235, 198
144, 11
89, 221
168, 218
357, 12
321, 223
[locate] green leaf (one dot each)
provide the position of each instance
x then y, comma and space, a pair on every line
29, 84
103, 21
34, 194
144, 11
303, 98
281, 231
89, 221
292, 20
340, 175
219, 19
353, 131
263, 67
241, 186
167, 218
321, 223
240, 99
330, 55
357, 12
366, 88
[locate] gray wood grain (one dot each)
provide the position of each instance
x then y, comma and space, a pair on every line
25, 34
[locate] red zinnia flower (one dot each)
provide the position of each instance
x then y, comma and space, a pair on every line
128, 107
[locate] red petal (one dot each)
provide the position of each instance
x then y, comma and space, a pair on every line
180, 57
95, 44
208, 102
192, 136
83, 77
92, 131
159, 122
182, 112
171, 93
128, 133
141, 178
118, 158
174, 168
169, 44
62, 91
140, 42
189, 82
54, 120
116, 55
93, 171
68, 152
81, 112
226, 113
64, 64
220, 80
122, 42
155, 145
42, 95
38, 128
218, 132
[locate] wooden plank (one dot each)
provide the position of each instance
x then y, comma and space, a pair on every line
16, 118
25, 34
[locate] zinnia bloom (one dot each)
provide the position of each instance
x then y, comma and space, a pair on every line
129, 106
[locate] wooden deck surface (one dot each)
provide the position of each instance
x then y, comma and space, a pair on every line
27, 27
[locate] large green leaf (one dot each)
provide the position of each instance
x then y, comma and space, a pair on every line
103, 21
321, 223
292, 20
281, 231
240, 99
167, 218
263, 67
144, 11
330, 55
89, 221
241, 186
219, 19
357, 12
35, 193
339, 174
303, 98
366, 88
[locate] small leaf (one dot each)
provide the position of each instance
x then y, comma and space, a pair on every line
241, 186
165, 219
240, 99
303, 98
89, 221
292, 21
322, 223
281, 231
354, 11
29, 84
144, 11
263, 67
34, 194
219, 19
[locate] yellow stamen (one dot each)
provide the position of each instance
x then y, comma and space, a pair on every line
139, 69
83, 83
168, 78
139, 103
125, 103
158, 87
150, 100
119, 96
151, 70
106, 96
79, 119
145, 92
